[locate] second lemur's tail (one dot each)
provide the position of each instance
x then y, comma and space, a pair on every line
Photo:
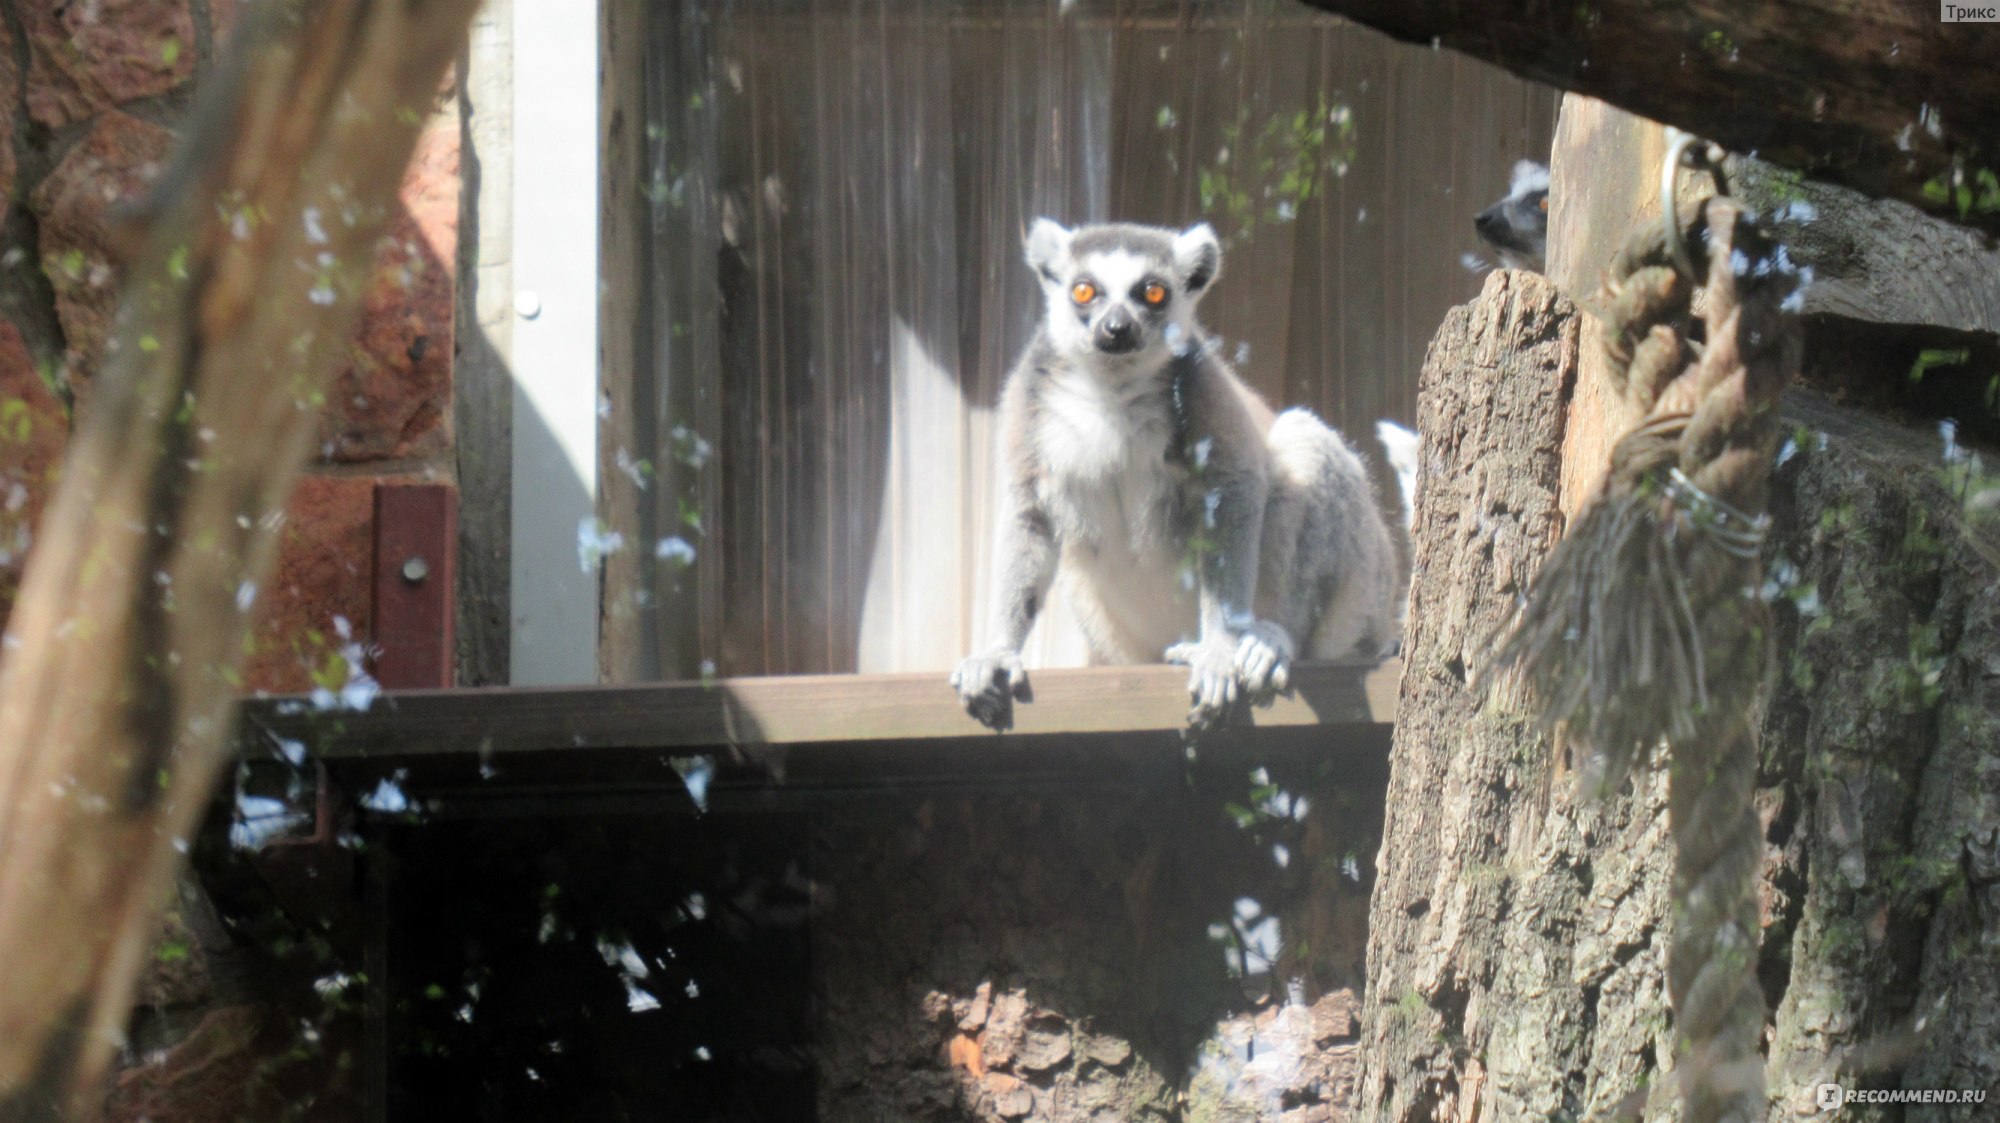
1400, 445
1400, 449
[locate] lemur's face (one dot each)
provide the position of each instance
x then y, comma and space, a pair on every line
1517, 227
1123, 296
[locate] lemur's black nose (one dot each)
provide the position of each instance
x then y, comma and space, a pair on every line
1117, 332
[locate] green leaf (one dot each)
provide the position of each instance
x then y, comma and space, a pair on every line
1937, 357
17, 423
1988, 198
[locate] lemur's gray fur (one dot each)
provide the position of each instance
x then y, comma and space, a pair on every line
1186, 522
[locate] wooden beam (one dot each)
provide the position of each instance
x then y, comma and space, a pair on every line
804, 709
1877, 95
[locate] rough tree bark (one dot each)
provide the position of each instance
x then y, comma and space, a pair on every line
1878, 95
1518, 937
119, 672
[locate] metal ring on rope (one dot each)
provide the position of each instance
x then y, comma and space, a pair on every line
1686, 150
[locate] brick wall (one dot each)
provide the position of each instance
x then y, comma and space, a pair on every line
85, 128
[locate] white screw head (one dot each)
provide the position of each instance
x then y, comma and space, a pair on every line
527, 304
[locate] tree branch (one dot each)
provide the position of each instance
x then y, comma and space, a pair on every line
120, 672
1877, 95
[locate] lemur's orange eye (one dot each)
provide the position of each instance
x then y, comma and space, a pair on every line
1155, 294
1083, 292
1543, 203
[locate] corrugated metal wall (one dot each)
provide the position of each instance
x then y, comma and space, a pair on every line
833, 290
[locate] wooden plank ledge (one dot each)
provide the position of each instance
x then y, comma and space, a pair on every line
789, 710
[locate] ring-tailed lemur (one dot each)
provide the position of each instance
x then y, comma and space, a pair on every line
1185, 520
1401, 448
1517, 227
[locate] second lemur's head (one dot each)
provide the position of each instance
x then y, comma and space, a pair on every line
1121, 294
1517, 227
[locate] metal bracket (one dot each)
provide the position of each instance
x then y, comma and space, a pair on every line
416, 550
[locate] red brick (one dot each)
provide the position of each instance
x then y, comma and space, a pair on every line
34, 428
223, 19
113, 163
88, 55
394, 400
324, 569
178, 973
10, 95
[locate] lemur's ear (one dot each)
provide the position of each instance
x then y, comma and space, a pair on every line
1197, 258
1048, 249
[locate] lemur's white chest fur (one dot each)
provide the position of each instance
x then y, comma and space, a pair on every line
1103, 429
1102, 443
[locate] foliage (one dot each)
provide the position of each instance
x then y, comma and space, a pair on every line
1264, 174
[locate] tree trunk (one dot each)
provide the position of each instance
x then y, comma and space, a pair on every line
120, 669
1518, 937
1878, 95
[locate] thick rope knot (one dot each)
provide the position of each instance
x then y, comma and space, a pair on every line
1644, 627
1615, 639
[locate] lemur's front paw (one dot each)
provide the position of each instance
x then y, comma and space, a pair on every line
1212, 683
988, 684
1264, 660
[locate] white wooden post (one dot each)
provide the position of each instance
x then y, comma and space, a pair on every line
554, 597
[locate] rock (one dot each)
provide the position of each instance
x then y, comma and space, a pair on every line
1011, 1098
965, 1053
1269, 1065
1336, 1017
975, 1012
34, 428
1107, 1051
937, 1006
1005, 1030
391, 403
1045, 1044
87, 57
112, 164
